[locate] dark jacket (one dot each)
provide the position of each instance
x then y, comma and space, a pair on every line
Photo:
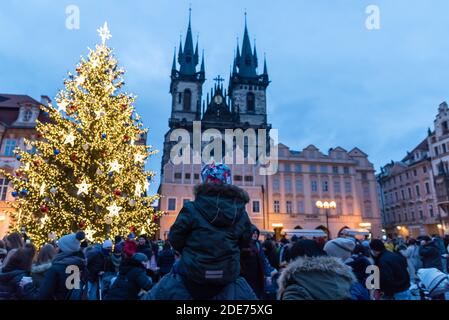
131, 279
54, 284
209, 233
171, 287
359, 265
430, 256
316, 278
9, 284
394, 276
98, 260
251, 268
38, 272
166, 260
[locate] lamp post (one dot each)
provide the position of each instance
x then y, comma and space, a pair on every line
326, 205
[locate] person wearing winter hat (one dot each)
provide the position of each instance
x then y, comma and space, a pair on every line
340, 248
208, 233
312, 275
100, 267
394, 277
54, 284
132, 279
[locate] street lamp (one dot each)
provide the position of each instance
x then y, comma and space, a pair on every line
326, 205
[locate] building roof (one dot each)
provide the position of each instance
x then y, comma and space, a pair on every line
15, 100
423, 146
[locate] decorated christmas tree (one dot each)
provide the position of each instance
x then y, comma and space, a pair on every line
86, 169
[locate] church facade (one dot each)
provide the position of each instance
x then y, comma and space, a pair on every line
278, 200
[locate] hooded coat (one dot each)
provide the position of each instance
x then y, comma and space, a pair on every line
209, 233
316, 278
430, 255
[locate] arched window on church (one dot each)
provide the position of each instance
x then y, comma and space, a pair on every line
187, 106
250, 102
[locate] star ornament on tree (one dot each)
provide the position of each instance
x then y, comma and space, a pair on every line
115, 166
139, 158
114, 210
104, 33
89, 234
83, 188
62, 105
139, 190
70, 139
99, 114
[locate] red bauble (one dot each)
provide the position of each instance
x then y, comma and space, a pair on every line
78, 70
132, 229
155, 218
73, 157
117, 192
39, 135
73, 108
37, 163
81, 225
126, 137
124, 106
44, 208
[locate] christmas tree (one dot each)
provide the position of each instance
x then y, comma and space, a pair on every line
86, 169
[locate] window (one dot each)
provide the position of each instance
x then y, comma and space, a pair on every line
421, 214
299, 186
288, 185
276, 184
323, 169
314, 186
27, 115
400, 177
249, 178
367, 194
184, 201
348, 187
287, 167
417, 190
415, 173
346, 170
312, 168
337, 186
276, 206
237, 178
10, 145
396, 195
335, 170
288, 205
364, 176
3, 188
413, 215
403, 194
350, 208
444, 147
180, 98
405, 216
196, 176
298, 168
436, 150
171, 204
407, 175
300, 206
427, 188
187, 176
325, 186
256, 206
431, 210
424, 169
187, 105
250, 102
409, 193
367, 209
178, 175
399, 217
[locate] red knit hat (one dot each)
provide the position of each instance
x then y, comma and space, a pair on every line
130, 248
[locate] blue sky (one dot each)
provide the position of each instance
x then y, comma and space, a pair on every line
334, 82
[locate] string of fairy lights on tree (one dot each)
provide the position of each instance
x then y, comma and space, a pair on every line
86, 169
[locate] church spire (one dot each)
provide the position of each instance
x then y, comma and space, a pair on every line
173, 66
247, 61
189, 58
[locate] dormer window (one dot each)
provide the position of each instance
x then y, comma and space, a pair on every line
445, 127
27, 115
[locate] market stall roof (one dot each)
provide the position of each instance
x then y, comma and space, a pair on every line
305, 233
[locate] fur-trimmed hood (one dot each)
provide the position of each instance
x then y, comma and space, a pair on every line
320, 278
222, 205
40, 268
224, 190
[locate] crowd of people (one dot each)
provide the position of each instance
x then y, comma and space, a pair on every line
214, 252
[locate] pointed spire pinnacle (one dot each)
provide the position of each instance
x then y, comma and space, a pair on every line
265, 70
196, 56
256, 63
247, 64
173, 66
202, 70
180, 49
